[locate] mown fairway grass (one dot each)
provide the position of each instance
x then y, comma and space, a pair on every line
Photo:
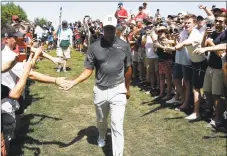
60, 123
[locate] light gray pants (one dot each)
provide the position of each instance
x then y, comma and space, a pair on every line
111, 100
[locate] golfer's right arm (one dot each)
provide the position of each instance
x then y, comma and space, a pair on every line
83, 76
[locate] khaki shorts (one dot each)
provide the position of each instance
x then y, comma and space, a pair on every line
152, 64
141, 54
65, 53
214, 81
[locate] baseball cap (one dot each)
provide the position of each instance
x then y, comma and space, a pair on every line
64, 22
110, 20
15, 17
120, 3
200, 18
140, 7
120, 28
10, 31
220, 9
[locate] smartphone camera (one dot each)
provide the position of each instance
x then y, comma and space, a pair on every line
209, 25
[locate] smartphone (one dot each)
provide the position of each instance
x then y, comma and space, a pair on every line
34, 35
209, 25
28, 52
175, 30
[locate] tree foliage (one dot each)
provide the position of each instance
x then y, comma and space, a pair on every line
9, 9
40, 21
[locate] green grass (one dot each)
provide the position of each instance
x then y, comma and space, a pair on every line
148, 135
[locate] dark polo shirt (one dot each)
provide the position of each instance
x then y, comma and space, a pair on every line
109, 61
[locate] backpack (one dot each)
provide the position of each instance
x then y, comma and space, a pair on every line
64, 44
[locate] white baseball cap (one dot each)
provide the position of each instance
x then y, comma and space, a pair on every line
110, 20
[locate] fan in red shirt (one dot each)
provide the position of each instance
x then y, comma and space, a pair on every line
141, 15
121, 13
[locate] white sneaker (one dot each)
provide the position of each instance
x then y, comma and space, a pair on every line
58, 70
211, 124
173, 100
193, 116
225, 115
147, 92
101, 142
65, 70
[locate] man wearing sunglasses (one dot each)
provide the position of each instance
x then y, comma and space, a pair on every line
214, 78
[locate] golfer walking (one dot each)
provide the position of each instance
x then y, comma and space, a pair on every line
111, 58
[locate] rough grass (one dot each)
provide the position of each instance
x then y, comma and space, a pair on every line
60, 123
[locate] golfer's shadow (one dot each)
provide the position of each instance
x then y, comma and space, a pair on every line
92, 136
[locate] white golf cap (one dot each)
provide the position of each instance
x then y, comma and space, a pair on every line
110, 20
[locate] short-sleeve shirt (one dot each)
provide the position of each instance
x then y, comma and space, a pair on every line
182, 56
9, 79
215, 61
122, 12
196, 38
109, 61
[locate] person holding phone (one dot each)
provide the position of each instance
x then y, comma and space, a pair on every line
193, 39
214, 78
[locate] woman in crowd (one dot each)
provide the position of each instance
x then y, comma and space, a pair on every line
165, 62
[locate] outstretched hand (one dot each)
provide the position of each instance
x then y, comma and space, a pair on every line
67, 84
199, 51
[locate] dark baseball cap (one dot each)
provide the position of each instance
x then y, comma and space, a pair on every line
10, 31
120, 3
200, 18
219, 9
64, 22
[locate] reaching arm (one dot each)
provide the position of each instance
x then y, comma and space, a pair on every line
16, 92
217, 47
83, 76
214, 48
207, 10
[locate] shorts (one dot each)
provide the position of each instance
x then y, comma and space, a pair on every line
134, 56
65, 53
152, 64
182, 71
78, 41
50, 38
214, 81
141, 54
165, 67
199, 70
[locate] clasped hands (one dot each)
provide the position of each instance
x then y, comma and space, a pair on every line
64, 84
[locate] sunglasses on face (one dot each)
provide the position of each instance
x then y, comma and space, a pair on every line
216, 21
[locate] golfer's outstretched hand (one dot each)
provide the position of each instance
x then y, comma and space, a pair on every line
67, 84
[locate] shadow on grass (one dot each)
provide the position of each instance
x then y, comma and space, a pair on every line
23, 138
214, 137
23, 122
92, 136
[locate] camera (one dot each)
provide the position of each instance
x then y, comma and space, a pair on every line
209, 25
175, 30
